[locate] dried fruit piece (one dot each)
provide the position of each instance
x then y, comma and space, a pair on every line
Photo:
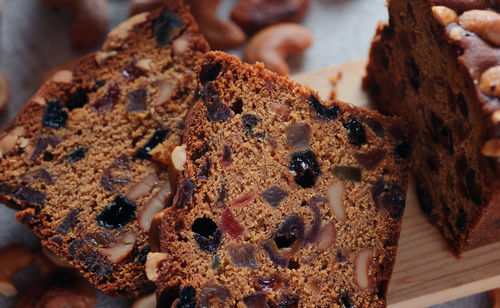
207, 234
164, 27
76, 155
257, 300
361, 268
78, 99
157, 138
336, 193
101, 239
327, 236
249, 122
345, 300
131, 71
356, 131
204, 172
390, 197
243, 255
117, 214
403, 150
42, 143
209, 72
89, 258
297, 135
273, 282
218, 111
22, 193
116, 174
324, 112
54, 116
185, 193
370, 159
37, 176
69, 222
347, 173
230, 225
243, 200
291, 231
274, 195
214, 295
306, 168
137, 100
313, 233
108, 100
227, 159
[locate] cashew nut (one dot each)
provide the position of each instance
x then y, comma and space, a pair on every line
4, 92
273, 44
220, 34
146, 301
90, 22
139, 6
13, 258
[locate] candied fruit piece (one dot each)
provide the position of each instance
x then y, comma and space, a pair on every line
249, 122
116, 173
230, 225
288, 301
257, 300
297, 135
101, 239
326, 113
347, 173
131, 71
217, 292
185, 193
356, 131
274, 195
313, 233
37, 175
273, 282
76, 155
274, 254
206, 234
42, 143
227, 159
389, 196
22, 193
117, 214
164, 26
290, 231
54, 116
187, 298
243, 200
137, 100
370, 159
108, 100
209, 72
204, 172
157, 138
306, 168
243, 255
218, 111
69, 222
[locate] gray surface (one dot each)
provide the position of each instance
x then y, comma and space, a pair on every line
34, 39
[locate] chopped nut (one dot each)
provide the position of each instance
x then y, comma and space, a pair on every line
121, 249
120, 33
154, 231
179, 157
155, 205
146, 301
491, 148
55, 258
455, 33
327, 236
484, 23
153, 264
142, 188
282, 109
64, 76
165, 92
490, 81
102, 56
8, 140
444, 15
180, 45
361, 268
13, 258
335, 198
144, 64
495, 117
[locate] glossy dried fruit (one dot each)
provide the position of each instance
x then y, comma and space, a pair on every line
116, 174
326, 113
185, 193
243, 255
306, 168
257, 300
101, 239
131, 71
164, 27
42, 143
389, 196
187, 298
274, 195
273, 282
291, 231
218, 111
76, 155
23, 193
347, 173
118, 214
206, 234
137, 100
356, 131
157, 138
89, 258
288, 301
230, 225
209, 72
69, 222
227, 158
370, 159
54, 116
249, 122
108, 100
214, 295
37, 176
298, 135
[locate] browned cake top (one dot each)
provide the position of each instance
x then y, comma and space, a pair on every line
283, 201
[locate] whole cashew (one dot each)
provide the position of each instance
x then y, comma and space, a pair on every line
220, 34
90, 22
139, 6
273, 44
13, 258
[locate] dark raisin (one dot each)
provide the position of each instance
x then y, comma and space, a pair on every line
293, 264
118, 214
243, 255
209, 94
142, 256
313, 233
42, 143
218, 111
89, 258
69, 222
211, 292
275, 255
326, 113
306, 168
290, 231
116, 174
164, 26
227, 159
137, 100
22, 193
347, 173
273, 282
167, 297
204, 172
131, 71
413, 73
237, 106
345, 300
473, 188
47, 156
187, 298
356, 131
462, 105
274, 195
54, 116
370, 159
200, 151
424, 199
207, 234
77, 99
389, 196
108, 100
76, 155
157, 138
257, 300
221, 194
249, 122
36, 176
185, 193
209, 72
461, 222
403, 150
297, 135
288, 301
340, 255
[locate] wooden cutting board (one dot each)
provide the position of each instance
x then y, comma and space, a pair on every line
426, 273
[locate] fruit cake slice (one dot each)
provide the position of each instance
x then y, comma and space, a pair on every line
77, 160
283, 201
436, 63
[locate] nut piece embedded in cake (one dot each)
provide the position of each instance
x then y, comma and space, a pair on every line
361, 268
142, 188
484, 23
9, 139
327, 236
179, 157
444, 15
490, 81
121, 249
335, 198
13, 258
155, 205
153, 264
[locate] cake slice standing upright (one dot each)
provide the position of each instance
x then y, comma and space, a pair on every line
77, 162
283, 201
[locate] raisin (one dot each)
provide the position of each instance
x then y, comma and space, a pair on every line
370, 159
54, 116
142, 256
326, 113
164, 26
187, 298
209, 94
157, 138
185, 193
230, 225
36, 176
340, 255
211, 292
424, 199
137, 100
243, 255
23, 193
131, 71
402, 150
218, 111
462, 105
237, 106
290, 231
473, 188
76, 155
108, 100
356, 131
89, 258
221, 194
209, 72
42, 143
389, 196
227, 159
306, 168
375, 126
69, 222
204, 172
47, 156
77, 99
461, 222
313, 233
413, 73
118, 214
257, 300
274, 195
206, 234
345, 300
347, 173
249, 122
297, 135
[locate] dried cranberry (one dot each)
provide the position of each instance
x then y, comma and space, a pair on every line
413, 73
274, 195
249, 122
227, 159
164, 26
77, 99
370, 159
347, 173
257, 300
157, 138
187, 298
185, 193
345, 300
118, 214
108, 100
243, 255
306, 168
116, 174
389, 196
137, 100
89, 258
209, 72
211, 292
356, 131
42, 143
204, 171
76, 155
206, 234
326, 113
297, 135
69, 222
230, 225
473, 188
54, 116
131, 71
218, 111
